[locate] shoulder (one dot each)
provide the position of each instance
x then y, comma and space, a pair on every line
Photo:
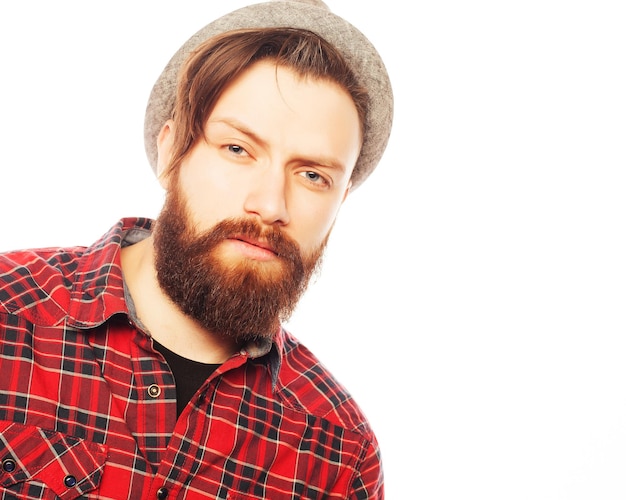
310, 386
43, 284
35, 277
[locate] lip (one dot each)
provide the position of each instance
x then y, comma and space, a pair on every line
252, 248
257, 243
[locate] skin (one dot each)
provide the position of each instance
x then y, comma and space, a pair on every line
279, 148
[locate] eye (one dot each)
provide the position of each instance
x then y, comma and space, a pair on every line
315, 178
236, 149
312, 176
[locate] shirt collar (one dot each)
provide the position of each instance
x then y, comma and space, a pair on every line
271, 348
98, 288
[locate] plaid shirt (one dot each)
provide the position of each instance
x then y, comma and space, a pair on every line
88, 407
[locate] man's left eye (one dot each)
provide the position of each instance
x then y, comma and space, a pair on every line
312, 176
315, 178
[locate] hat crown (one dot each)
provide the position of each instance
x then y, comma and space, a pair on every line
315, 3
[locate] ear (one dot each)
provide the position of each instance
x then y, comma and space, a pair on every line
347, 192
165, 142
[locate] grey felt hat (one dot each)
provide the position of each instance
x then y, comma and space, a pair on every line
314, 16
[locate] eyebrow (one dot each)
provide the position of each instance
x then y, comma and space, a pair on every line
239, 127
317, 160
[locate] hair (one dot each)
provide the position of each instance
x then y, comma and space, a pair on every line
219, 60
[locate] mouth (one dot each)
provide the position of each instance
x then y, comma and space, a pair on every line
252, 248
254, 242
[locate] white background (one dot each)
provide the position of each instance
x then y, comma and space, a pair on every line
473, 292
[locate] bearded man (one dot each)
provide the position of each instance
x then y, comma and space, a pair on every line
153, 364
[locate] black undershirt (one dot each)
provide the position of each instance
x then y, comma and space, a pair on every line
189, 375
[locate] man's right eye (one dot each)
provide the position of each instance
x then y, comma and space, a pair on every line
235, 149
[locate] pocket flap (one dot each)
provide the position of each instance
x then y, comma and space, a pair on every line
68, 465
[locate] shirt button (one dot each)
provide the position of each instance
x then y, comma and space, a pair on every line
70, 481
8, 465
154, 391
162, 493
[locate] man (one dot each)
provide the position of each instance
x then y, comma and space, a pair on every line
153, 364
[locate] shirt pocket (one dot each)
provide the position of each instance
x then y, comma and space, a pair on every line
68, 466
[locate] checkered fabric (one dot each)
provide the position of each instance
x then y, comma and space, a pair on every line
88, 407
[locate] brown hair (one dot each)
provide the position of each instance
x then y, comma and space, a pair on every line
221, 59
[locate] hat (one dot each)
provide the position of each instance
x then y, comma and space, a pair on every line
314, 16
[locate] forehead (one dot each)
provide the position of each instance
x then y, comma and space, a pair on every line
266, 83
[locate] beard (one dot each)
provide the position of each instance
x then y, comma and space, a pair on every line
234, 297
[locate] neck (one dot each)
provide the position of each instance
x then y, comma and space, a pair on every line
166, 323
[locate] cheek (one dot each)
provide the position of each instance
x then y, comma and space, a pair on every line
314, 225
210, 196
201, 208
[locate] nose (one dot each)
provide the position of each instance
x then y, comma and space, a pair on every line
267, 197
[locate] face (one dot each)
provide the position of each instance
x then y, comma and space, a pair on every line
261, 192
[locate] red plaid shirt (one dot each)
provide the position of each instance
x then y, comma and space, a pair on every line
88, 406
